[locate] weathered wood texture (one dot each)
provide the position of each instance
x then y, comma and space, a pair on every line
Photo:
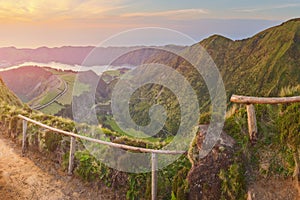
252, 127
264, 100
116, 145
71, 156
154, 177
24, 137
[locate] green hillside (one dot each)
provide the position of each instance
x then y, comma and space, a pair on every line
29, 82
260, 65
46, 143
7, 96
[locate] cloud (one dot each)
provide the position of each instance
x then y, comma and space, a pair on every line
34, 10
282, 6
180, 14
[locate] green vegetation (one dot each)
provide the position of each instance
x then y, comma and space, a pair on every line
52, 109
108, 76
50, 95
289, 127
180, 184
233, 183
264, 65
87, 166
257, 66
276, 152
113, 126
80, 88
66, 99
261, 65
90, 169
8, 96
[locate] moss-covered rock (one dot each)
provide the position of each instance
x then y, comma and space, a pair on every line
203, 179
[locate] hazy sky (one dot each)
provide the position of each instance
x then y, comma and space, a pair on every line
35, 23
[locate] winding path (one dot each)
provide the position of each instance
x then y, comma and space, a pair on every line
35, 179
55, 98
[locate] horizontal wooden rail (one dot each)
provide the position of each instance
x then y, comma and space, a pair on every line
73, 136
116, 145
252, 126
264, 100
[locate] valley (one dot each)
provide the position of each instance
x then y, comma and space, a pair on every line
269, 60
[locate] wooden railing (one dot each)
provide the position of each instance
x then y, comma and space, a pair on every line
73, 136
264, 100
249, 101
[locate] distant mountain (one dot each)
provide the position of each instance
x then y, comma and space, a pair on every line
10, 56
68, 55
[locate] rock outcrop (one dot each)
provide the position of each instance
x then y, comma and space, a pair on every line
203, 178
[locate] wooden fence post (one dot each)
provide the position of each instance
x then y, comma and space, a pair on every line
252, 127
154, 176
71, 156
24, 137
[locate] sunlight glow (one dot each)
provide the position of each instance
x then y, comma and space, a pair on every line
37, 10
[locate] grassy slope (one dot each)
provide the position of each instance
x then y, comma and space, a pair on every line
69, 78
29, 82
260, 65
80, 88
88, 168
8, 96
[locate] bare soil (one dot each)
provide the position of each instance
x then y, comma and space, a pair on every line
38, 179
273, 189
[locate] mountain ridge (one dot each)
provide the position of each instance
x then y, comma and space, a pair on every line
274, 51
7, 96
73, 55
259, 66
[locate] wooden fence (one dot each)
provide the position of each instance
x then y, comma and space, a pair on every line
252, 127
249, 101
73, 136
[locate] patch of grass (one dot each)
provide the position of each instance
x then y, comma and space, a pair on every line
108, 76
233, 182
113, 72
66, 99
49, 96
52, 109
114, 126
112, 123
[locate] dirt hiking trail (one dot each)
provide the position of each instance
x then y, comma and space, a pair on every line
21, 178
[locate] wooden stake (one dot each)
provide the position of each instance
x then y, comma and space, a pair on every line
71, 156
24, 137
154, 176
252, 127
